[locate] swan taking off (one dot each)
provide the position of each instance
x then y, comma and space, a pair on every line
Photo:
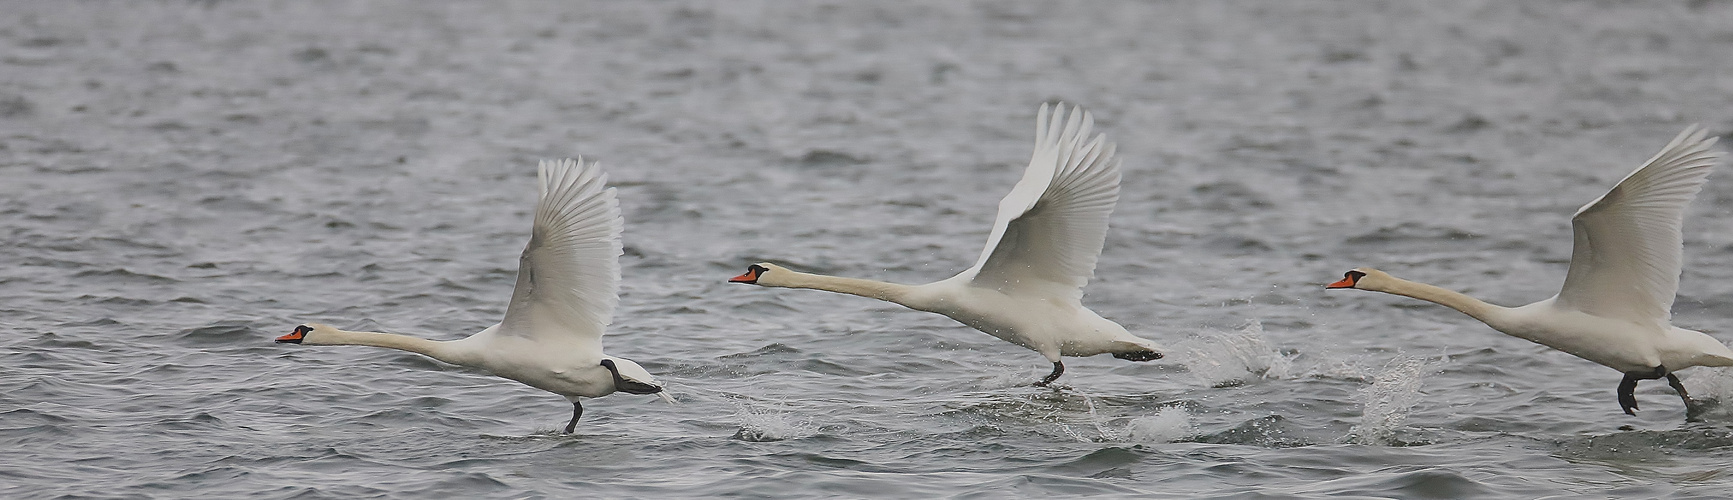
1027, 286
1615, 308
567, 286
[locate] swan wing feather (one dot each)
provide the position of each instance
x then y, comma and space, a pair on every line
569, 275
1628, 244
1050, 228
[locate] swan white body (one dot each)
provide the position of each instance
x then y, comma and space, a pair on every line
568, 284
1027, 286
1615, 306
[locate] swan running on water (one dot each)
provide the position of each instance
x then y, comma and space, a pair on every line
567, 286
1615, 308
1027, 286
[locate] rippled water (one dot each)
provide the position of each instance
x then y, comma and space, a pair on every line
180, 182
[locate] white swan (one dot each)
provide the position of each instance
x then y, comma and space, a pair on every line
1615, 307
1027, 286
567, 286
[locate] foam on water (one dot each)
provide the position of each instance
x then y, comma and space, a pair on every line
762, 422
1171, 424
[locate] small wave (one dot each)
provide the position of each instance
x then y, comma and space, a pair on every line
1410, 232
24, 416
1394, 391
1647, 444
226, 331
769, 349
1269, 431
122, 275
1431, 482
824, 158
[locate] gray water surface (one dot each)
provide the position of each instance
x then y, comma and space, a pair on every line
180, 182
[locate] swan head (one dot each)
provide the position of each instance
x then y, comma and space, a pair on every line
762, 273
307, 334
1364, 278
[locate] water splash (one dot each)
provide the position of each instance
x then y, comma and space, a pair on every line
1094, 419
1221, 359
1171, 424
1331, 367
761, 423
998, 376
1708, 382
1394, 391
1710, 386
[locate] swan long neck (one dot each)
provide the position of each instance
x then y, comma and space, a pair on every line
1471, 306
443, 351
889, 292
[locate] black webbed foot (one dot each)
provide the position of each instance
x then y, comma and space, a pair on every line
1058, 369
1138, 355
1628, 387
1627, 400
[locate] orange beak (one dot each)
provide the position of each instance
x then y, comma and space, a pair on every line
751, 276
296, 336
1346, 282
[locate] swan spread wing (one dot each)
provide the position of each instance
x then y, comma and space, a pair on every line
1628, 245
1051, 227
569, 275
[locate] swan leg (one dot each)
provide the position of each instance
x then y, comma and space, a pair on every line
1628, 387
577, 411
1691, 410
1058, 369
